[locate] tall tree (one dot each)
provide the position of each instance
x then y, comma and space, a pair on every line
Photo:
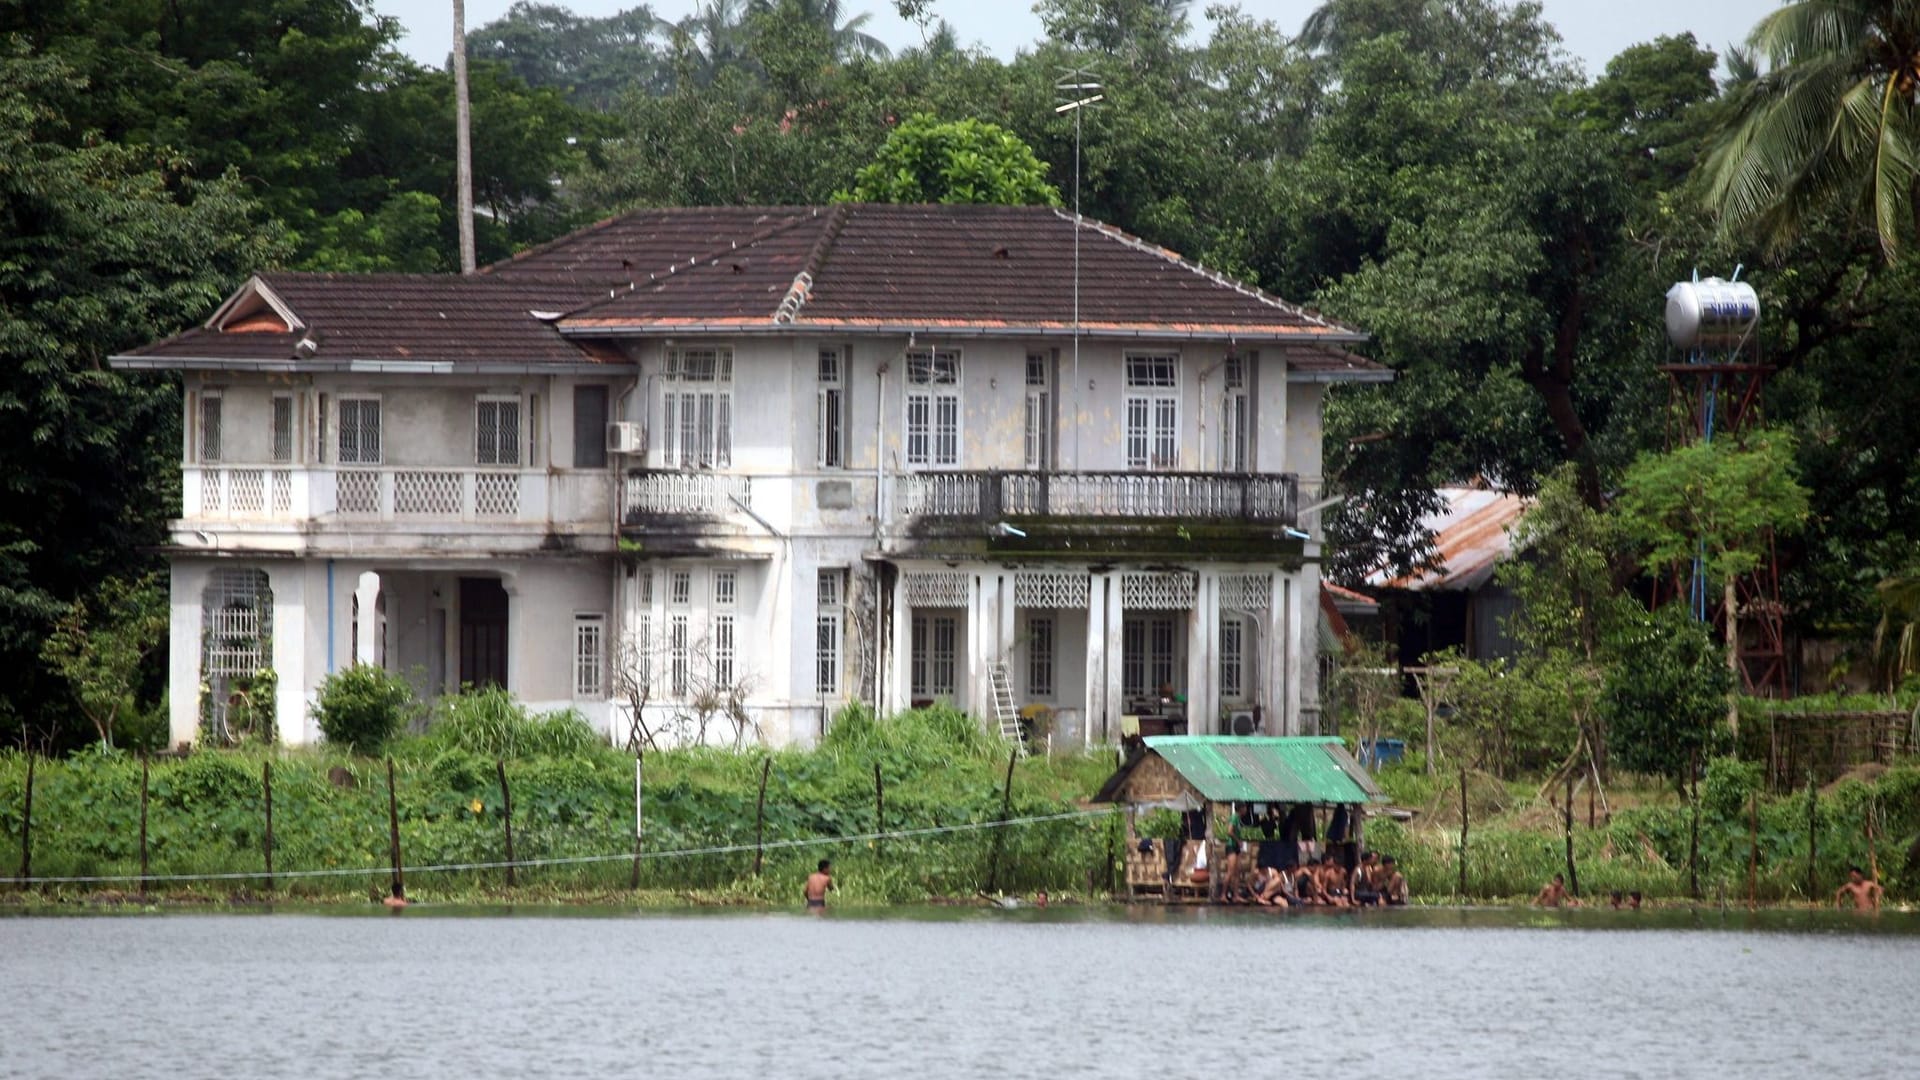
956, 161
1833, 119
593, 61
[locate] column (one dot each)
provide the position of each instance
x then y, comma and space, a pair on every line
296, 676
899, 688
1116, 612
1293, 601
983, 628
1203, 645
517, 682
186, 585
1273, 659
1093, 716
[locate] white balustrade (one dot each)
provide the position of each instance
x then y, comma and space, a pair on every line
1216, 496
278, 494
670, 493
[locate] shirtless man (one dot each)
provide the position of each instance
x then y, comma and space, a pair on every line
1270, 887
1334, 883
1864, 891
1554, 894
819, 883
1393, 885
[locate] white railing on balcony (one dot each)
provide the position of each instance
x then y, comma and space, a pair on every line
267, 493
1217, 496
673, 493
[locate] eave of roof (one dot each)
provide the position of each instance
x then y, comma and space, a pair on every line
1276, 769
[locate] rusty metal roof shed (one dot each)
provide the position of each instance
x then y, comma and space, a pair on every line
1280, 769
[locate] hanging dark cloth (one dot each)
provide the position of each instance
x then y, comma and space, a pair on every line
1337, 830
1196, 824
1300, 824
1174, 850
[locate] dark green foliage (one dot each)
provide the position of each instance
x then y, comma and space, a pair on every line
1665, 694
926, 160
491, 723
361, 707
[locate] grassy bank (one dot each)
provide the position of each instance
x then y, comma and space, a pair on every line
206, 816
936, 768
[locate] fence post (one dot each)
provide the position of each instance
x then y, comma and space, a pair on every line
639, 823
266, 791
1753, 851
879, 811
398, 887
26, 827
1573, 874
143, 826
506, 818
1693, 839
1873, 857
1813, 839
1006, 808
1463, 834
760, 819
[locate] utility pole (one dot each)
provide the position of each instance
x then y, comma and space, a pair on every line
463, 145
1081, 91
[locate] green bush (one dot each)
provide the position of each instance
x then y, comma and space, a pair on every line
361, 707
491, 723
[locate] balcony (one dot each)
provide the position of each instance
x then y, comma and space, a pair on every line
1269, 499
648, 495
268, 494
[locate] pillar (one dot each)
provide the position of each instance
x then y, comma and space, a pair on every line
1116, 613
1292, 602
1273, 659
1093, 714
899, 688
296, 683
186, 585
1203, 668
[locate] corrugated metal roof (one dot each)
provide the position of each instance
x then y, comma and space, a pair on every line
1233, 768
1471, 534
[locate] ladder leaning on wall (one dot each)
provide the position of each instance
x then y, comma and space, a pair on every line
1004, 714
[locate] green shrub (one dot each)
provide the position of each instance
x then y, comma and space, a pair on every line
491, 723
362, 706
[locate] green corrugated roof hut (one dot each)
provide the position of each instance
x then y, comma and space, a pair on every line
1194, 772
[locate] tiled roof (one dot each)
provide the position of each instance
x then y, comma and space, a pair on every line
844, 268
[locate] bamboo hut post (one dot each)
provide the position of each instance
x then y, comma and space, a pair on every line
506, 819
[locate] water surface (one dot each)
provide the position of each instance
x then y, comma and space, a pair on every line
961, 993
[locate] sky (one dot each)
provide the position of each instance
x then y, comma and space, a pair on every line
1593, 30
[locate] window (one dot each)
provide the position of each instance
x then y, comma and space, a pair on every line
830, 450
210, 426
643, 627
282, 428
829, 594
589, 427
1236, 433
680, 588
1146, 655
359, 431
1153, 412
496, 431
932, 655
1232, 657
677, 648
933, 407
725, 587
1040, 657
1039, 411
589, 650
698, 415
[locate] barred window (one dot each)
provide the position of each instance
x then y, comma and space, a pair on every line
932, 655
1039, 411
282, 428
1232, 657
830, 592
1040, 656
933, 407
722, 628
830, 451
210, 425
1153, 412
589, 655
496, 431
1146, 655
698, 408
725, 585
1236, 415
677, 652
680, 588
359, 431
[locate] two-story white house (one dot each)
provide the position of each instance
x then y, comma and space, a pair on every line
744, 465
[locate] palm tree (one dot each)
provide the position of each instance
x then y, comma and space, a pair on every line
1833, 118
848, 39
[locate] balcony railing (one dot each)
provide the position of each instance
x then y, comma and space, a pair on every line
243, 493
1254, 497
678, 493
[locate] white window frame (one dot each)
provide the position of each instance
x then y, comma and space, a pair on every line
363, 452
1042, 644
830, 590
1236, 416
493, 450
1233, 658
589, 655
830, 409
933, 655
1152, 411
679, 648
210, 427
282, 438
1149, 654
721, 628
933, 421
697, 408
1039, 428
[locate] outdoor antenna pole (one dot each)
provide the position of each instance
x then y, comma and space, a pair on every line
463, 138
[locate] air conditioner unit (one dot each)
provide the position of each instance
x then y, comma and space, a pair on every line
625, 437
1243, 722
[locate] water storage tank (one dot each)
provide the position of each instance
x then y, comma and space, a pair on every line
1711, 314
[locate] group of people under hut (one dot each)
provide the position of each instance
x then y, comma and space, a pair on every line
1340, 875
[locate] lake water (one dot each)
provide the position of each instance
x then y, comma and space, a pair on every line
1148, 992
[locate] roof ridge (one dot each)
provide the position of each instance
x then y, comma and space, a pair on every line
1122, 236
802, 287
694, 261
